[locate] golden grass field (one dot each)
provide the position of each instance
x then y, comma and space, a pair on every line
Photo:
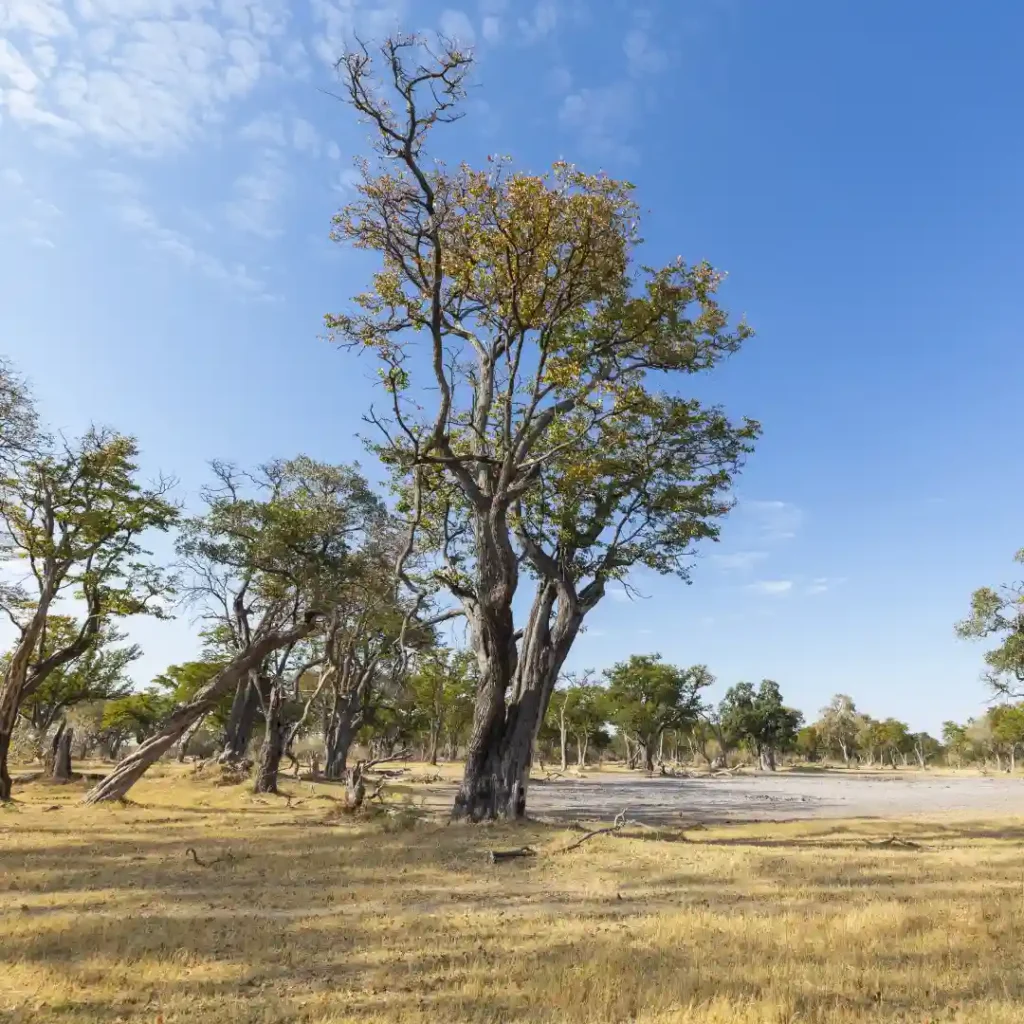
313, 917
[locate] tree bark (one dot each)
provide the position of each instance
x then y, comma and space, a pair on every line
250, 693
341, 730
60, 770
273, 745
135, 765
648, 746
501, 745
767, 758
187, 737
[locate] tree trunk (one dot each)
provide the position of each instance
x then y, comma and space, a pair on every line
501, 745
135, 765
187, 738
1013, 758
563, 736
846, 752
60, 756
999, 761
648, 746
435, 737
250, 693
273, 745
767, 759
338, 737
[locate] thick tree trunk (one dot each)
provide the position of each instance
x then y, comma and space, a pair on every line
501, 746
61, 771
648, 755
135, 765
245, 707
767, 758
338, 737
273, 745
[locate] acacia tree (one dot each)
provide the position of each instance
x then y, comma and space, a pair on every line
72, 514
1000, 613
838, 726
761, 719
645, 697
98, 675
19, 425
536, 438
271, 552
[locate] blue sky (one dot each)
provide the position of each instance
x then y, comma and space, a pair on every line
168, 169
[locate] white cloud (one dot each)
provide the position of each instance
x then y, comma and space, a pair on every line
771, 588
490, 29
333, 151
823, 584
11, 178
774, 520
739, 559
342, 20
134, 214
602, 118
542, 22
347, 181
305, 138
258, 194
642, 57
456, 25
144, 75
267, 129
618, 593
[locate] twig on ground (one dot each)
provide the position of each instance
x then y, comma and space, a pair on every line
895, 841
620, 822
496, 856
229, 856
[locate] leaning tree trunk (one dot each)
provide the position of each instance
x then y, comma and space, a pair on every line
135, 765
273, 745
187, 737
60, 754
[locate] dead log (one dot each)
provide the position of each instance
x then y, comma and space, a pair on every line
497, 856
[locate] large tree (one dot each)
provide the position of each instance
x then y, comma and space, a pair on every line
268, 559
761, 719
98, 675
535, 433
645, 697
838, 726
1000, 613
72, 515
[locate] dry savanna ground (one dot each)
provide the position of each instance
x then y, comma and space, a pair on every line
297, 913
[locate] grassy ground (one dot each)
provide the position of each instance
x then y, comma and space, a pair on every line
302, 915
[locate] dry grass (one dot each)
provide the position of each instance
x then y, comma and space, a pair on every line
315, 918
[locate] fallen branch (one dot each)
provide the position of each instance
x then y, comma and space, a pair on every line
496, 856
895, 842
620, 822
229, 856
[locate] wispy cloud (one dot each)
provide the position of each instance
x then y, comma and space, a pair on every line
143, 75
602, 118
618, 593
541, 22
135, 214
642, 56
823, 584
774, 520
455, 25
738, 560
257, 196
771, 588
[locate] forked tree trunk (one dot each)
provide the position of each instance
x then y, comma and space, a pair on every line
501, 746
273, 745
61, 754
338, 738
135, 765
250, 693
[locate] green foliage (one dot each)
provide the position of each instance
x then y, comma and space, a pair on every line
645, 697
136, 715
99, 674
182, 682
759, 718
1000, 613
